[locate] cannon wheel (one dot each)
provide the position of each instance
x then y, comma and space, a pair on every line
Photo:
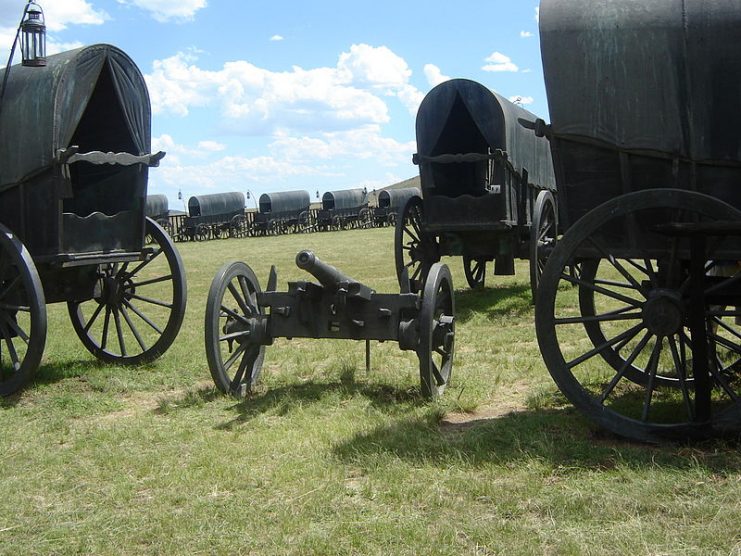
415, 249
232, 300
138, 313
543, 232
475, 270
640, 304
436, 332
22, 315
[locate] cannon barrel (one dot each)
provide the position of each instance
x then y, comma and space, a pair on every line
329, 276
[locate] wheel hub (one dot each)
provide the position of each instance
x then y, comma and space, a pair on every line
663, 312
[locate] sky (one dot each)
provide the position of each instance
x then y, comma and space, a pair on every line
282, 95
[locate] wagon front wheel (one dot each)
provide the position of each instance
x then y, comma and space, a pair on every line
22, 315
139, 307
475, 270
436, 332
233, 329
415, 249
543, 232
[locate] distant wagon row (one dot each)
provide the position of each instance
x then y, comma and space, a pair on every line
223, 215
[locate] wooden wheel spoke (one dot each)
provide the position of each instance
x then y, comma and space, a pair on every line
156, 253
234, 314
106, 323
234, 356
680, 366
94, 316
142, 316
630, 333
239, 299
119, 331
612, 316
11, 348
597, 289
150, 300
617, 265
246, 361
153, 281
133, 328
12, 323
9, 287
653, 366
625, 366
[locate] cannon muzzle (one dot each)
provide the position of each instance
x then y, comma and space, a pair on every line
330, 277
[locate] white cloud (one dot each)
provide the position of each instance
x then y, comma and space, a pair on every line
255, 101
211, 146
434, 75
522, 100
525, 34
498, 62
168, 10
275, 38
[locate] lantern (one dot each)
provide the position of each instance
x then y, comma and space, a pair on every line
33, 36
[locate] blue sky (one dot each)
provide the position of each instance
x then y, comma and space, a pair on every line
282, 95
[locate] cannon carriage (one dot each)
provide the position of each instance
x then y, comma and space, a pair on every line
645, 117
74, 159
282, 212
390, 203
343, 209
488, 189
241, 320
218, 215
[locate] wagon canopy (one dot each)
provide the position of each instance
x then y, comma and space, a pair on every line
94, 97
216, 204
285, 201
345, 199
156, 206
663, 75
395, 198
462, 116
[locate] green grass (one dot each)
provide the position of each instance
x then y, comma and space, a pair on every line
326, 459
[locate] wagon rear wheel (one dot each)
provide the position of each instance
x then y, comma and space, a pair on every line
543, 232
234, 353
414, 248
141, 305
436, 332
475, 270
22, 315
624, 358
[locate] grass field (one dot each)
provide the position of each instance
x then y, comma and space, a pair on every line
326, 459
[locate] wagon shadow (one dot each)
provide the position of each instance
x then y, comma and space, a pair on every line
513, 300
559, 436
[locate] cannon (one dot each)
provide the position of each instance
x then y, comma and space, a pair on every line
488, 187
218, 215
241, 320
647, 152
390, 203
343, 209
74, 163
282, 212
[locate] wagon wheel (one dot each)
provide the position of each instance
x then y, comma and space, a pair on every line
415, 250
304, 223
364, 218
543, 232
436, 332
391, 219
141, 305
203, 232
22, 315
237, 226
233, 350
626, 360
475, 270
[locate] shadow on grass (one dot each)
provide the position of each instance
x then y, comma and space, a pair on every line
514, 301
559, 436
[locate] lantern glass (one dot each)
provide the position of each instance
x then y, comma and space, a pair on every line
33, 36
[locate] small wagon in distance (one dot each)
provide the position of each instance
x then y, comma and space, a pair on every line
214, 216
343, 209
282, 212
158, 209
488, 189
74, 161
390, 203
